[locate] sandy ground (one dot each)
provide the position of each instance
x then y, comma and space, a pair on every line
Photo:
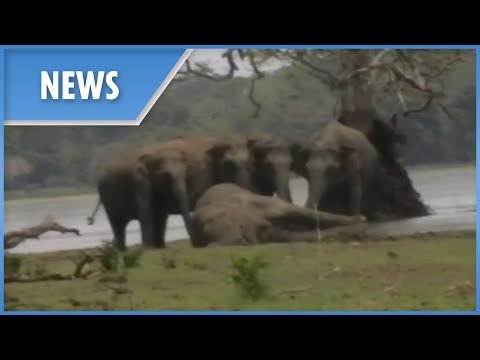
448, 190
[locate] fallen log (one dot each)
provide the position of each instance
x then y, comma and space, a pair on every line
27, 279
12, 239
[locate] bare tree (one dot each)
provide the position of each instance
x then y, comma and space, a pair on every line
359, 79
355, 77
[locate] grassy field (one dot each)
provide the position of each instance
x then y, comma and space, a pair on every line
428, 272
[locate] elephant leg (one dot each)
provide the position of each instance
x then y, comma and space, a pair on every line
144, 202
118, 227
145, 218
356, 193
160, 229
184, 205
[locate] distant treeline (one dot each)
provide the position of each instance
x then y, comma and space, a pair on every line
293, 106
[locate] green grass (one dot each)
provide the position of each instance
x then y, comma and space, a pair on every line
430, 272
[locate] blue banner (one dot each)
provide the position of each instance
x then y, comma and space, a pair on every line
85, 84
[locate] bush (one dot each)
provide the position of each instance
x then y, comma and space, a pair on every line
131, 257
109, 257
12, 265
113, 259
246, 277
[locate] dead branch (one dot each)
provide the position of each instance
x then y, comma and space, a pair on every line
84, 260
14, 238
28, 279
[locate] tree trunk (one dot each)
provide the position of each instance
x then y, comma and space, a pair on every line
392, 194
357, 108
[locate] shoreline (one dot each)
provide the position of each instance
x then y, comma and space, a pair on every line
65, 192
374, 238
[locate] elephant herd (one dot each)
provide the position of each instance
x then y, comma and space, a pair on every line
224, 187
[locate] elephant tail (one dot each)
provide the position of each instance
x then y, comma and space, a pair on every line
91, 218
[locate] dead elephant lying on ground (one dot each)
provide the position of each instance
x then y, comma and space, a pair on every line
227, 214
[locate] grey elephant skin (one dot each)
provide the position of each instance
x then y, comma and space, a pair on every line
393, 195
272, 162
231, 215
165, 179
339, 155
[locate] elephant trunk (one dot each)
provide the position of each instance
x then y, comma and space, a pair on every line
282, 184
316, 190
180, 190
244, 179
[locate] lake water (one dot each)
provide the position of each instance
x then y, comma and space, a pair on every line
449, 191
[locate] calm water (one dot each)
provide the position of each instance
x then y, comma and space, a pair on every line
449, 191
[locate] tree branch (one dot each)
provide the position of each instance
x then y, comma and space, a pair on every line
407, 59
400, 75
401, 99
257, 72
331, 79
365, 69
257, 105
448, 113
232, 67
422, 108
13, 238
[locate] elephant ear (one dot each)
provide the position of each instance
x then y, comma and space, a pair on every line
218, 151
295, 148
346, 151
251, 143
259, 151
149, 160
299, 152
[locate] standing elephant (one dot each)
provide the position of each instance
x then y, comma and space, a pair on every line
165, 179
383, 135
339, 155
271, 164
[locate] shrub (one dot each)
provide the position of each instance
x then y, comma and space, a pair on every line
131, 257
109, 257
12, 265
113, 259
246, 277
